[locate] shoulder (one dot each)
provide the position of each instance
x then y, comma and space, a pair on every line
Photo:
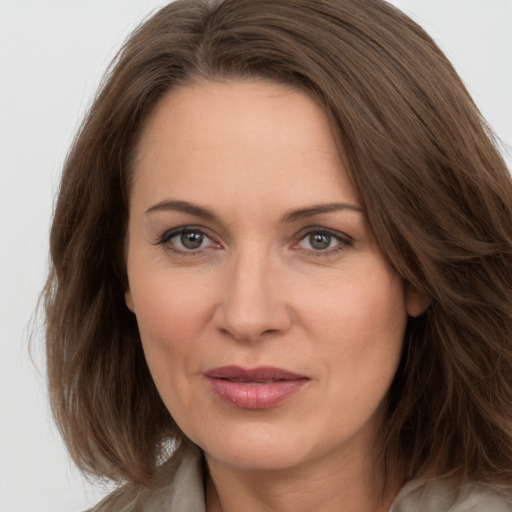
183, 492
446, 495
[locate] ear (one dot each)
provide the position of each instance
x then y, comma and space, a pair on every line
129, 300
416, 302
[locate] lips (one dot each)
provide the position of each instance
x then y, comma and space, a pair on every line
257, 388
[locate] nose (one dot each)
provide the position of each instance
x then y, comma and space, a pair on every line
253, 304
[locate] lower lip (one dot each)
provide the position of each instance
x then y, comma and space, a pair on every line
255, 396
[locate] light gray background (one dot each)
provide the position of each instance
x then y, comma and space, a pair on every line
52, 55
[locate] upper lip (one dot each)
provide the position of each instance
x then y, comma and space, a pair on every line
259, 374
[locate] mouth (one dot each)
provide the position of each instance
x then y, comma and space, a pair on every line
256, 388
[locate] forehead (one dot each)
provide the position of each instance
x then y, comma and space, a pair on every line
240, 137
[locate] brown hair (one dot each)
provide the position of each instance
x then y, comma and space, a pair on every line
435, 190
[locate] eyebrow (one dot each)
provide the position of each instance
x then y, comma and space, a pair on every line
290, 216
183, 206
311, 211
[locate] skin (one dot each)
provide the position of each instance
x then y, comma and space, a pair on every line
260, 291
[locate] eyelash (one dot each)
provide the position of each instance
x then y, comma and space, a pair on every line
344, 241
165, 239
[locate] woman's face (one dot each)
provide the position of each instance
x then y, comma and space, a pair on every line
271, 323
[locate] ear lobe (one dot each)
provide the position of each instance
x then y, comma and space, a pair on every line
129, 300
416, 302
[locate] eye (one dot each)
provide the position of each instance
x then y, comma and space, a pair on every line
190, 240
187, 240
323, 241
318, 241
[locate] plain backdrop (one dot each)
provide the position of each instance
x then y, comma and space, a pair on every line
52, 55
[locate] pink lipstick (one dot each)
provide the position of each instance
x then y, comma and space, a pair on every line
257, 388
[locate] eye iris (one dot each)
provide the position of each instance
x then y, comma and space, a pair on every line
192, 239
320, 241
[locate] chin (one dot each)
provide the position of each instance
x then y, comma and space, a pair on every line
256, 448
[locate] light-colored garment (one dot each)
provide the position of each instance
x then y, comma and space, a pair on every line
185, 493
443, 495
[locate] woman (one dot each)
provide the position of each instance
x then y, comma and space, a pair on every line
282, 251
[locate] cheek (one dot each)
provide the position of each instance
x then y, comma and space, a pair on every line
358, 328
167, 311
365, 309
363, 353
166, 299
171, 314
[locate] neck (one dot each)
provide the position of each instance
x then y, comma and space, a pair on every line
342, 486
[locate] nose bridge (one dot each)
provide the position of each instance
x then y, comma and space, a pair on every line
252, 303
